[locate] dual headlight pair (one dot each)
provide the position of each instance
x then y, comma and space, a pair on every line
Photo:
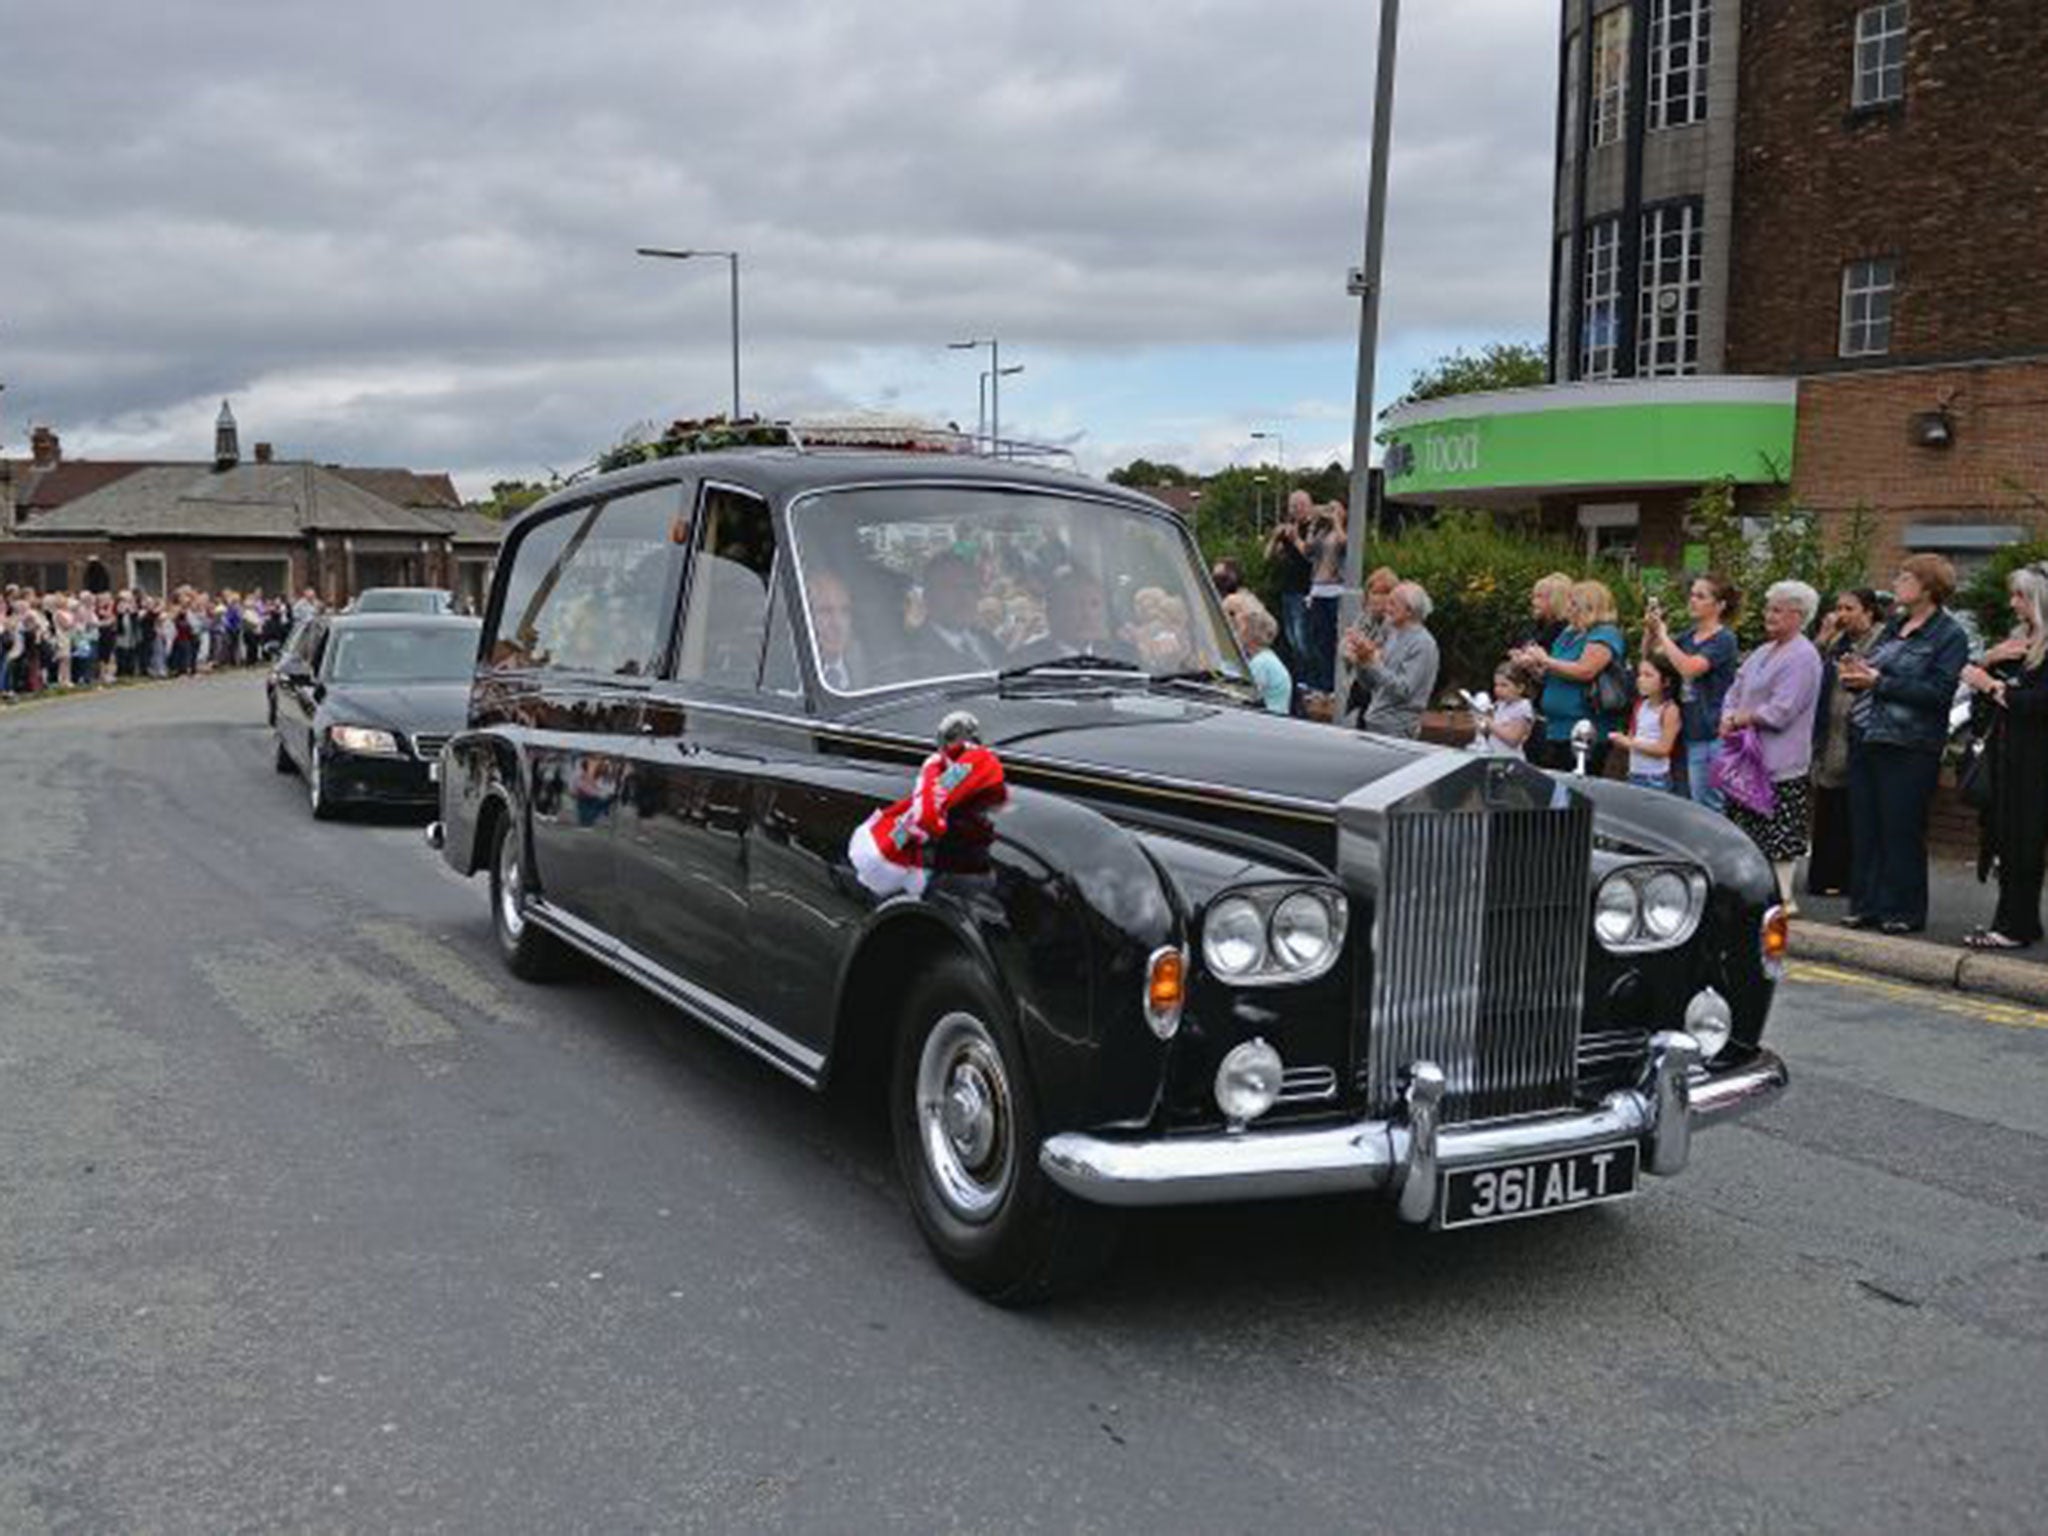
1269, 935
1648, 906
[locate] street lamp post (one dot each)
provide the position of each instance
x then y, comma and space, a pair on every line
732, 259
986, 379
994, 376
1364, 285
1279, 440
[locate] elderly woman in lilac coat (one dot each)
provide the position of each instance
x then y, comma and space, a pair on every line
1774, 694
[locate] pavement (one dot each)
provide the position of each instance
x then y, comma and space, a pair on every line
313, 1218
1957, 903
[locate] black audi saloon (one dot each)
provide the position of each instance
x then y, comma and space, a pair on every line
361, 703
945, 778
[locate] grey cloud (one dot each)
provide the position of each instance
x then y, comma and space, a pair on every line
297, 204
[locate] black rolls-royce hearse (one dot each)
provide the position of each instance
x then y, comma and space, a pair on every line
1176, 949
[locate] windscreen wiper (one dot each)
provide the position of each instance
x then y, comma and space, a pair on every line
1080, 661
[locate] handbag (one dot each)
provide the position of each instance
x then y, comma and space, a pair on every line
1610, 690
1739, 773
1973, 779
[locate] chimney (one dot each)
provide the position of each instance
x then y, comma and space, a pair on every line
263, 453
44, 448
227, 451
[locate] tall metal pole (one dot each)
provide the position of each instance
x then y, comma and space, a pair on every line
1365, 286
981, 413
734, 258
995, 396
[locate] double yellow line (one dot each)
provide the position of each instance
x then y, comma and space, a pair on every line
1962, 1004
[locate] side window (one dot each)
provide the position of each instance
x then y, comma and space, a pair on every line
590, 588
727, 612
779, 674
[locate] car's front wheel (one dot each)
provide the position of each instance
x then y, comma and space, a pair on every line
529, 954
321, 803
967, 1138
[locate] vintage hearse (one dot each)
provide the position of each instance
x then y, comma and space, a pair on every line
1188, 950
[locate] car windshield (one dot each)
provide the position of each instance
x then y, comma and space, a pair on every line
910, 583
402, 600
442, 653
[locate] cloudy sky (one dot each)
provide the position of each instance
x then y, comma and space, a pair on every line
403, 233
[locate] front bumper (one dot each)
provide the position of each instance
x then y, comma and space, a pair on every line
1406, 1155
364, 778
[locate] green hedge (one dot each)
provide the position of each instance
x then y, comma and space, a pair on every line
1984, 594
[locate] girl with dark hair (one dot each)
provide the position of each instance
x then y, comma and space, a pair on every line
1704, 658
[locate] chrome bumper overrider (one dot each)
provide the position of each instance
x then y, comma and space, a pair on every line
1405, 1155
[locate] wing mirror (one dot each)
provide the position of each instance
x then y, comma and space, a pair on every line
293, 670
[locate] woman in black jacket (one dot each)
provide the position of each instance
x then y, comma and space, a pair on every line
2014, 676
1897, 729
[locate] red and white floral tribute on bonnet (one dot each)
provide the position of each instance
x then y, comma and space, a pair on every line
891, 849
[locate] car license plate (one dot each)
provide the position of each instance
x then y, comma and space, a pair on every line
1537, 1186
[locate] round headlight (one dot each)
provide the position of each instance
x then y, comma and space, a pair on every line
1615, 910
1667, 903
1709, 1020
1233, 938
1248, 1081
1302, 931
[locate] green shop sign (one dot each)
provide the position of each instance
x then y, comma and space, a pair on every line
1644, 442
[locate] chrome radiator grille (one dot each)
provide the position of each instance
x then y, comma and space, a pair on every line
428, 747
1479, 954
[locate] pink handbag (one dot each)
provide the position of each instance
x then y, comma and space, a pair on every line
1740, 775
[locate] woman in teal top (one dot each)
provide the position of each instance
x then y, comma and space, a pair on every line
1256, 630
1590, 641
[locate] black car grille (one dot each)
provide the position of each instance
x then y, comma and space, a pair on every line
426, 746
1479, 955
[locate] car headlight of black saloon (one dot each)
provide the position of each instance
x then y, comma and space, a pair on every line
1273, 935
1640, 908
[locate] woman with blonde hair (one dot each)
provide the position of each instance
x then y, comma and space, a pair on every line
1550, 601
1571, 666
2014, 676
1256, 629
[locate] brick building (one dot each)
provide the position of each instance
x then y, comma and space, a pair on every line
272, 524
1834, 210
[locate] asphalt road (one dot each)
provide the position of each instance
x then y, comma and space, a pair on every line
312, 1218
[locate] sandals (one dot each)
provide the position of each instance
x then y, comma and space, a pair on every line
1991, 938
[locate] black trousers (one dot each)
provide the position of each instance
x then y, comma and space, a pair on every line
2022, 863
1890, 790
1829, 865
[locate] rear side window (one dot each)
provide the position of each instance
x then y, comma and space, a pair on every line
727, 612
589, 589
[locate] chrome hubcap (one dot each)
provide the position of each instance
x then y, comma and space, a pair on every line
511, 888
965, 1122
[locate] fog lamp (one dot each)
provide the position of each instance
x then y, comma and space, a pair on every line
1248, 1082
1709, 1020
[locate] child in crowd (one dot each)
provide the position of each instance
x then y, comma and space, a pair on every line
1653, 733
1514, 712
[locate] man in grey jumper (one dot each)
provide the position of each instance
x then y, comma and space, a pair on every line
1400, 667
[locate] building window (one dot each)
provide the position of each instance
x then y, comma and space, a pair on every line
1610, 76
1668, 323
1678, 61
1867, 307
1601, 310
1880, 54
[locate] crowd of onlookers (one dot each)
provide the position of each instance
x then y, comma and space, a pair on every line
1824, 743
67, 640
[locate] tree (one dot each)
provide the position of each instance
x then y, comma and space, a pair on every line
1143, 472
509, 498
1499, 365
